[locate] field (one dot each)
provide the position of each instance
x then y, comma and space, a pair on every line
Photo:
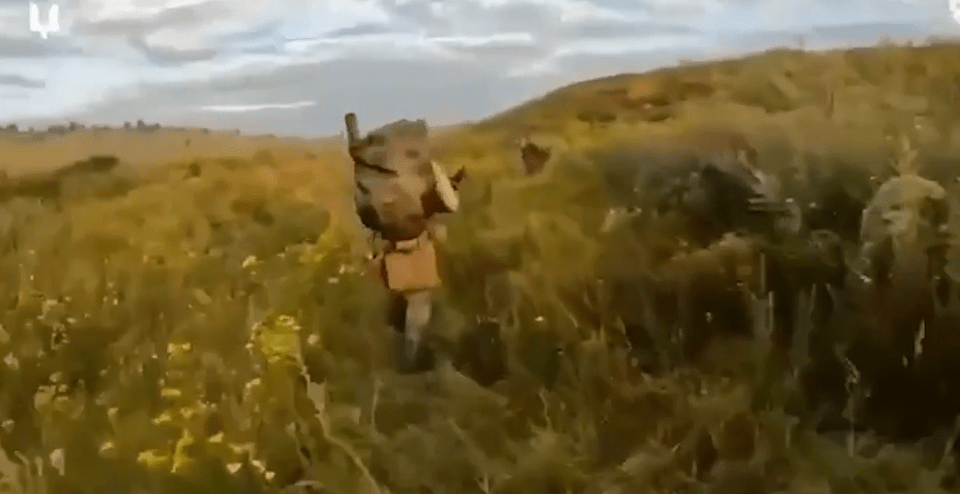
187, 311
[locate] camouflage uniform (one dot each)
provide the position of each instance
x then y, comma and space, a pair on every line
399, 190
730, 195
905, 247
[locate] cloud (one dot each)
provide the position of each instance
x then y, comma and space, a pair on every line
139, 23
21, 47
21, 81
250, 108
361, 29
164, 56
600, 29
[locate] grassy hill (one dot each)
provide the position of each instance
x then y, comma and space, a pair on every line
189, 312
776, 81
839, 99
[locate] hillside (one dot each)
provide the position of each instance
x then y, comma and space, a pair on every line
776, 81
798, 96
192, 311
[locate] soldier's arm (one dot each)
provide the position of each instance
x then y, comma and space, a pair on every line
445, 189
442, 197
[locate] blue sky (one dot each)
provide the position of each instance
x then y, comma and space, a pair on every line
295, 66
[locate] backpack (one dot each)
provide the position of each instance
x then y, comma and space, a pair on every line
398, 187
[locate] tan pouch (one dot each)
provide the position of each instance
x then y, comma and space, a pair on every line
412, 269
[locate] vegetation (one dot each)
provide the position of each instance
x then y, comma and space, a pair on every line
205, 324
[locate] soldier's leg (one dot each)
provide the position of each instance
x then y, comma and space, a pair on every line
397, 320
416, 317
397, 312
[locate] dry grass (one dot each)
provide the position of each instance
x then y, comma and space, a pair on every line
197, 319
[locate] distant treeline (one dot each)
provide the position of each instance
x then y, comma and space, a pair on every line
75, 126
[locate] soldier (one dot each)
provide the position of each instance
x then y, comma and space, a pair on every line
907, 227
904, 239
729, 193
710, 186
399, 190
534, 157
724, 192
907, 243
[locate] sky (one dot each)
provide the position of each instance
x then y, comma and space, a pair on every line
294, 67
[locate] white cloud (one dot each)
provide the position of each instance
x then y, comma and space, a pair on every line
568, 10
129, 9
621, 45
174, 38
251, 108
391, 45
493, 39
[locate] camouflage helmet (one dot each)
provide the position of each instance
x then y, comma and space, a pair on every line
905, 206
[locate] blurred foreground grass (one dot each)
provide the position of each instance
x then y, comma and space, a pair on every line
206, 326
